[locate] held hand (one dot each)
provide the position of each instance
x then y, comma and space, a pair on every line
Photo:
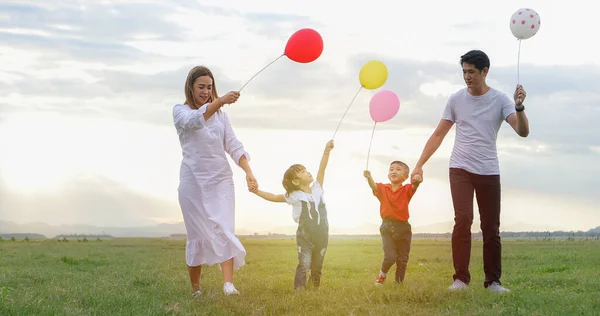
230, 97
417, 173
367, 174
251, 182
329, 146
520, 95
416, 179
253, 189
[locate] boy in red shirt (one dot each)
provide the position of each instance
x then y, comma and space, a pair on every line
395, 230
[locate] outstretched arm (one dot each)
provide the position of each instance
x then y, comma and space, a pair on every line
324, 161
370, 180
434, 142
269, 196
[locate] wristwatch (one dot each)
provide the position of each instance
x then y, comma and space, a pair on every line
520, 108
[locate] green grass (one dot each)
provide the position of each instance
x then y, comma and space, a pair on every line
149, 277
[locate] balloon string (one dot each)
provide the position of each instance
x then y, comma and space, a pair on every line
370, 143
519, 62
340, 123
519, 66
261, 71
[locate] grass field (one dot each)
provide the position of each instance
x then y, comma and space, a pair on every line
148, 277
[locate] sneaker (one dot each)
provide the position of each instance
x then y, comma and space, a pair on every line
458, 285
197, 294
380, 279
229, 289
497, 288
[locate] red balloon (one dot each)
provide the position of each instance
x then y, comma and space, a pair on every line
304, 46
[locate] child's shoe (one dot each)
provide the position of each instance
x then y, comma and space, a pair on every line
380, 279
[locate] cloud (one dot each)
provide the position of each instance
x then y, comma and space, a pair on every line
84, 49
117, 94
561, 107
314, 96
289, 95
103, 22
278, 26
76, 56
76, 49
572, 174
467, 26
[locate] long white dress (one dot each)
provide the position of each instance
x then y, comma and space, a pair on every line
206, 190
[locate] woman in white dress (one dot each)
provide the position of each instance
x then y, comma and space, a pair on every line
206, 190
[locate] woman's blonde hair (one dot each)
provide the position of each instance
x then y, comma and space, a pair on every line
194, 73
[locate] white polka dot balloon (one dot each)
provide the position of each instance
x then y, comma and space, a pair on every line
525, 23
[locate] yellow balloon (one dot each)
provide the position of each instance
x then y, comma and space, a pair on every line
373, 74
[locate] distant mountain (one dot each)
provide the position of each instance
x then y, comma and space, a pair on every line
527, 227
595, 230
165, 230
446, 227
160, 230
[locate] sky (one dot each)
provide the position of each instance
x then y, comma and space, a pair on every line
87, 91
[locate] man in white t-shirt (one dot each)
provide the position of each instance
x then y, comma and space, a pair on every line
478, 112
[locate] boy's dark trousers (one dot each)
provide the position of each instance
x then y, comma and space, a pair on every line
396, 236
487, 189
312, 238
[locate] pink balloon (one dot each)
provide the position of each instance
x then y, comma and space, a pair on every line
384, 105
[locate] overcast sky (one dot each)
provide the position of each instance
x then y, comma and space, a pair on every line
87, 90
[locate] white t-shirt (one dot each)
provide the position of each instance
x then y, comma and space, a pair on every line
295, 198
477, 119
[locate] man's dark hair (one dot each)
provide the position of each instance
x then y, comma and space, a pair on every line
477, 58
